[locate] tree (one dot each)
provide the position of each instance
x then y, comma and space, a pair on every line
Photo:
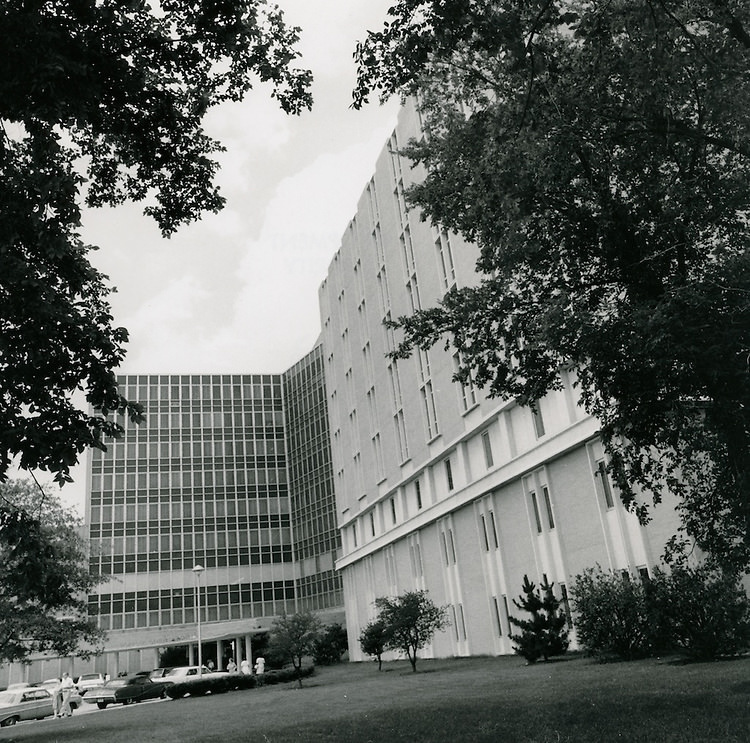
411, 620
118, 91
372, 640
294, 637
330, 645
598, 154
44, 577
546, 633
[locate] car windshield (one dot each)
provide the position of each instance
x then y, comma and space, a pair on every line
89, 677
8, 697
116, 683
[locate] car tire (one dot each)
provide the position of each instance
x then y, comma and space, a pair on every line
126, 702
10, 721
163, 694
101, 705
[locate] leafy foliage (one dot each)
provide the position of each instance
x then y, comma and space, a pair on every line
707, 612
411, 621
698, 610
44, 578
293, 637
546, 633
117, 90
614, 616
372, 640
598, 155
330, 645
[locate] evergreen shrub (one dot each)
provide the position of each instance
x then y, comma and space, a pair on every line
545, 634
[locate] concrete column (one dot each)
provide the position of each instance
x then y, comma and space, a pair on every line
191, 654
115, 665
249, 649
155, 661
238, 652
219, 655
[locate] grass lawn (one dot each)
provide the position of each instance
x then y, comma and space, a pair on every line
456, 700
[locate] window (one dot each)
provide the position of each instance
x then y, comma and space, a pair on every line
418, 492
484, 534
495, 540
606, 490
498, 620
535, 506
449, 474
452, 546
393, 510
463, 620
566, 604
536, 414
487, 446
467, 392
548, 505
372, 524
507, 612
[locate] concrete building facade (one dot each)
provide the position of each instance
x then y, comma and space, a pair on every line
439, 487
350, 476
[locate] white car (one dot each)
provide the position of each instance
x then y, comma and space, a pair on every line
184, 673
28, 703
88, 681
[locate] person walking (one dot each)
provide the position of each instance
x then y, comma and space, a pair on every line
57, 698
66, 687
245, 667
231, 666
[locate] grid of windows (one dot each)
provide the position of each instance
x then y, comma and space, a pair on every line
310, 471
203, 480
311, 481
153, 608
320, 591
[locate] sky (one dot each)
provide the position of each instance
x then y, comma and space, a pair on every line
237, 292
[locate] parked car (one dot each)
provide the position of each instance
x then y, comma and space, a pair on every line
74, 699
183, 673
88, 681
125, 690
27, 703
158, 673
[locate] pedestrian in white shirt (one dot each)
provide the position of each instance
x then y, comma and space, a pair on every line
66, 689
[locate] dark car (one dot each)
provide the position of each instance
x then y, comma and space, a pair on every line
125, 691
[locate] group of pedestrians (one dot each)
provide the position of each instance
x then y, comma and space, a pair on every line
61, 696
245, 666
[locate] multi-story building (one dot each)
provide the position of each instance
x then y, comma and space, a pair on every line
230, 473
202, 482
439, 487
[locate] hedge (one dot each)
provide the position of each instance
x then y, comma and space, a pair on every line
198, 686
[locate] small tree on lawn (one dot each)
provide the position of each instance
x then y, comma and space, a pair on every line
545, 634
372, 640
293, 637
411, 621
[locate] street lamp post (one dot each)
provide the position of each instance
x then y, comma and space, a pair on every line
197, 570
